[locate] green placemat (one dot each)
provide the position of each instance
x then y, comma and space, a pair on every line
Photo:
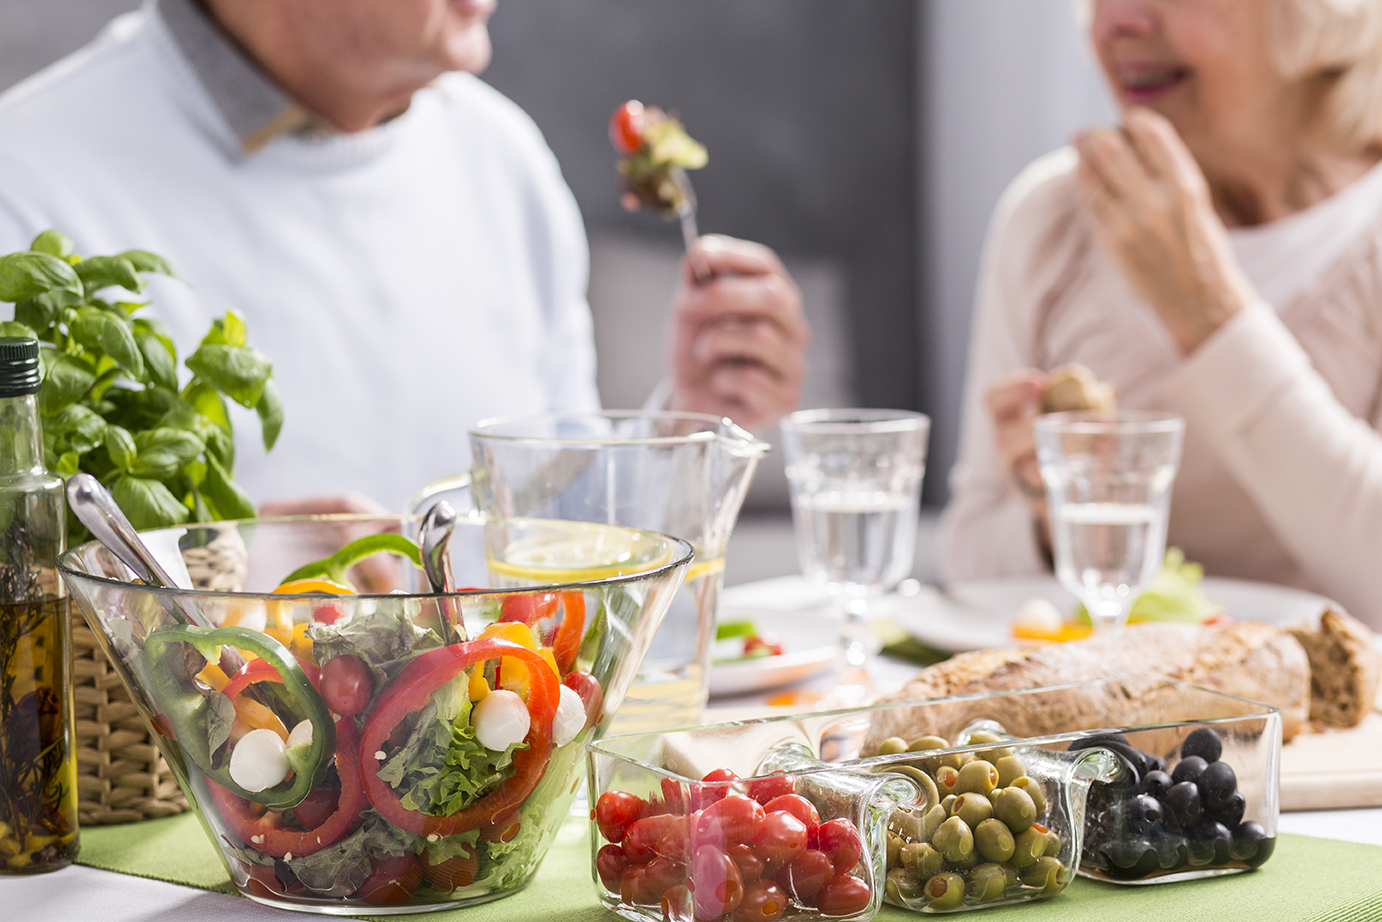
1307, 880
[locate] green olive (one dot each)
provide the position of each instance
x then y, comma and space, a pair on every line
979, 776
1010, 768
973, 859
1028, 846
902, 886
954, 840
948, 780
905, 823
931, 821
986, 883
992, 755
945, 891
921, 859
1053, 842
994, 840
1014, 806
948, 801
1047, 874
1034, 791
891, 745
926, 743
895, 844
972, 808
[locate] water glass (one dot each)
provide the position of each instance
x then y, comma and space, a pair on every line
855, 478
1108, 478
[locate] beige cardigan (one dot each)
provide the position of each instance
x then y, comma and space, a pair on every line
1281, 478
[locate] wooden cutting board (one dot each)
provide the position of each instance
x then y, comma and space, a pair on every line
1336, 769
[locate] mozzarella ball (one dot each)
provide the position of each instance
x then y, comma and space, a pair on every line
1038, 614
570, 719
500, 719
258, 761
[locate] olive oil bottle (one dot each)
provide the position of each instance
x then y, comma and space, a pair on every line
38, 753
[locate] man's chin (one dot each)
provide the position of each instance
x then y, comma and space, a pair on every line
470, 51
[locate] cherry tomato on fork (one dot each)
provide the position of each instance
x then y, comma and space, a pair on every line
626, 127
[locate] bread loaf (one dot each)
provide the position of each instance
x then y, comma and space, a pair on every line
1248, 659
1343, 669
1074, 387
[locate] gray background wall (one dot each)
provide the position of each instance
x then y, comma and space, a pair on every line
866, 141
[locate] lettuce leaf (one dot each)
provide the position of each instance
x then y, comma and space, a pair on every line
1175, 594
385, 638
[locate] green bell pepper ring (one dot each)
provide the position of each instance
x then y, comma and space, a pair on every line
187, 709
334, 567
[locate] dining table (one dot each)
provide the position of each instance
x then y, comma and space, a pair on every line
1327, 865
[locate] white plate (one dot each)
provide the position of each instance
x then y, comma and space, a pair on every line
810, 640
977, 614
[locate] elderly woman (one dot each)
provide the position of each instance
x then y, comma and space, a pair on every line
1218, 255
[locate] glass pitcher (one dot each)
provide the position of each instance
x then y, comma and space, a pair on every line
682, 474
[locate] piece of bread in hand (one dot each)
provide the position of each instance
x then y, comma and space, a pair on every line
1344, 668
1074, 387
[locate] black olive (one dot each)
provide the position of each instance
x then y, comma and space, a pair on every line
1231, 813
1204, 743
1156, 783
1189, 769
1183, 802
1143, 811
1218, 783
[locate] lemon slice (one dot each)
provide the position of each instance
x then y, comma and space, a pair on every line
578, 552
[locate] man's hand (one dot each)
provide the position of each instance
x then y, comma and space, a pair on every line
1013, 402
738, 340
1152, 208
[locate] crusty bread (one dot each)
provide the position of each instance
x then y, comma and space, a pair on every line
1343, 669
1074, 387
1248, 659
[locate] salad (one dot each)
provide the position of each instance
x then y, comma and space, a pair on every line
1175, 594
654, 151
375, 753
741, 640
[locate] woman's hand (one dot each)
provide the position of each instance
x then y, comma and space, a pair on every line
738, 341
1014, 401
1153, 211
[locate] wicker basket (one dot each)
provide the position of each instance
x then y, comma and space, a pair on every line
121, 777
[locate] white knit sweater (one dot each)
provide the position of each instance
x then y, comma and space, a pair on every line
406, 281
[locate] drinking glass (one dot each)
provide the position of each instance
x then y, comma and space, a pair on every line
855, 478
1108, 478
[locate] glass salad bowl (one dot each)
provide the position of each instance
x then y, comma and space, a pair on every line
387, 751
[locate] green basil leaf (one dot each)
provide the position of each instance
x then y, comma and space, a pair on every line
144, 261
13, 328
239, 372
80, 427
158, 358
106, 271
220, 444
66, 381
54, 243
163, 451
201, 511
108, 332
40, 311
216, 336
148, 503
207, 401
68, 464
233, 328
157, 328
26, 274
270, 410
230, 501
120, 446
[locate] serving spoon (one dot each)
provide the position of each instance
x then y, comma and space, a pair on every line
95, 508
434, 535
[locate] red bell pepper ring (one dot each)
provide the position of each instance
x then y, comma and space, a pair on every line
269, 834
567, 643
409, 692
259, 670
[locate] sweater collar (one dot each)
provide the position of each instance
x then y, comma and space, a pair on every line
254, 107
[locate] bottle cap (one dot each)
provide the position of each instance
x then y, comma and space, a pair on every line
21, 372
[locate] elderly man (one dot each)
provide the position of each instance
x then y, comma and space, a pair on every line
397, 235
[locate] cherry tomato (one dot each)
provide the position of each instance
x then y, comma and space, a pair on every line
746, 859
774, 785
451, 873
662, 875
761, 646
502, 829
841, 841
843, 895
716, 885
326, 613
730, 820
712, 787
675, 842
764, 901
609, 864
615, 811
391, 880
799, 807
805, 875
677, 905
781, 838
641, 837
316, 807
633, 885
347, 685
592, 695
626, 127
672, 796
261, 881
